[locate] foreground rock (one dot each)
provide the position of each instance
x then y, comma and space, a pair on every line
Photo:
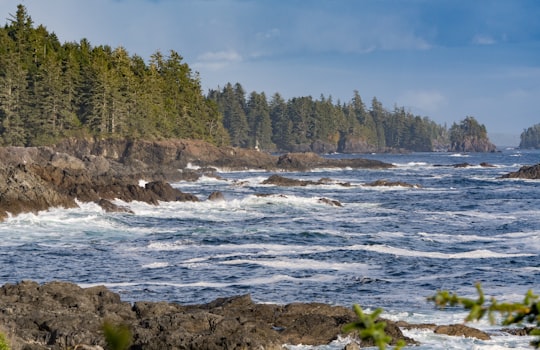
88, 170
525, 172
60, 315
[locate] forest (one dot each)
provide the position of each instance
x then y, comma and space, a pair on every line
530, 137
50, 91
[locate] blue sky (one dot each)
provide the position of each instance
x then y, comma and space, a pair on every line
445, 59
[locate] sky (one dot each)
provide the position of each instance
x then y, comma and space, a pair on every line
444, 59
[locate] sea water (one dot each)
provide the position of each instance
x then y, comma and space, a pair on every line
387, 247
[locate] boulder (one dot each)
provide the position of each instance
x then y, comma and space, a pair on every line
461, 330
216, 196
525, 172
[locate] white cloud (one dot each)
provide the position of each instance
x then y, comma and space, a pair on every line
423, 100
216, 60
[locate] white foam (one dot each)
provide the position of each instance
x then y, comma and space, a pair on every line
302, 264
474, 254
155, 265
208, 284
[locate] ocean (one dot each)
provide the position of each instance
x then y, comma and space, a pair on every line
387, 247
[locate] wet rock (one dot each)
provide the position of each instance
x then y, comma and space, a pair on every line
462, 331
309, 160
165, 192
216, 196
279, 180
89, 170
110, 207
525, 172
386, 183
59, 315
331, 202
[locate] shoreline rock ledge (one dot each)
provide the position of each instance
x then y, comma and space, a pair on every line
90, 170
61, 315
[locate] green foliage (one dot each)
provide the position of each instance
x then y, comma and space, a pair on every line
467, 130
530, 138
50, 91
368, 328
302, 121
118, 337
4, 345
512, 313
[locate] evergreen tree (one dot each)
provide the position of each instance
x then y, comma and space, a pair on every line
378, 114
259, 123
530, 137
281, 123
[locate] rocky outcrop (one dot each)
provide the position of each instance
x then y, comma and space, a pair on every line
473, 144
60, 315
306, 161
385, 183
352, 144
279, 180
461, 330
37, 178
525, 172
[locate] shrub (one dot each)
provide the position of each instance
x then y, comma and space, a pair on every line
512, 313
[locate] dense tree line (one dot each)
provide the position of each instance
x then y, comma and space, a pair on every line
49, 91
304, 123
530, 138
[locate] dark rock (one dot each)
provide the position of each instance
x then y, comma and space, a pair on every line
525, 172
279, 180
22, 191
462, 165
525, 331
486, 165
60, 315
308, 160
216, 196
89, 170
461, 330
472, 144
331, 202
352, 144
167, 193
321, 147
386, 183
110, 207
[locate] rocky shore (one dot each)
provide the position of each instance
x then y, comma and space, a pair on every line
60, 315
37, 178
